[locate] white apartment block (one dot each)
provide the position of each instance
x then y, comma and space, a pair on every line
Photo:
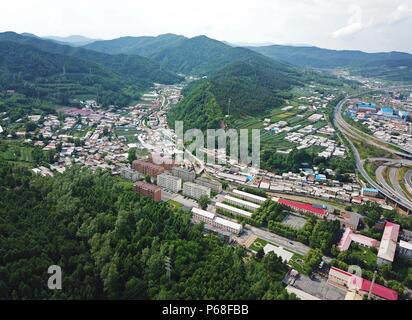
169, 182
195, 191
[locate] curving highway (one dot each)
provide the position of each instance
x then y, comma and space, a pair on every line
408, 180
349, 132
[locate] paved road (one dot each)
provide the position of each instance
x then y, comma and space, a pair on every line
393, 178
408, 180
342, 126
278, 240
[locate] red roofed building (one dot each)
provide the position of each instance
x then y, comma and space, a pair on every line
148, 190
303, 207
344, 279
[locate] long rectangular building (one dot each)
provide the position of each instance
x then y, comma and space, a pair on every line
169, 182
213, 220
249, 196
302, 207
184, 174
387, 248
195, 191
233, 210
241, 203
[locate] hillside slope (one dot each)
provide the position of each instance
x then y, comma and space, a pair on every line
56, 77
197, 56
144, 46
251, 87
141, 70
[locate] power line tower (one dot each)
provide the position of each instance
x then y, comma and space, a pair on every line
168, 267
372, 284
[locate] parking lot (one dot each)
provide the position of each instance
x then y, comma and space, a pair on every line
294, 221
319, 287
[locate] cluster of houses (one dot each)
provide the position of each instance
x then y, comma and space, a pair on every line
385, 123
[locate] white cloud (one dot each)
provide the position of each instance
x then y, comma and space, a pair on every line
335, 24
354, 23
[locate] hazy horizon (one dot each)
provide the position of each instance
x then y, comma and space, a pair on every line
367, 25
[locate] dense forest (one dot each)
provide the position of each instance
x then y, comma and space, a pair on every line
250, 87
112, 243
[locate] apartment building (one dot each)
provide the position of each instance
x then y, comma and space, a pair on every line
169, 182
195, 191
214, 186
185, 174
147, 168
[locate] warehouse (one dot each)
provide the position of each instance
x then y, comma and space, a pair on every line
249, 196
233, 210
241, 203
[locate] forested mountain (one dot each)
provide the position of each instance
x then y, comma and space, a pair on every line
253, 87
139, 69
144, 46
391, 65
112, 243
56, 77
48, 70
75, 40
199, 55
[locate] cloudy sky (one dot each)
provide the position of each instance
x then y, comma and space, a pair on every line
369, 25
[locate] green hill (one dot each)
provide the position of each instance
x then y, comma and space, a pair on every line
199, 55
143, 46
252, 87
59, 73
58, 78
142, 71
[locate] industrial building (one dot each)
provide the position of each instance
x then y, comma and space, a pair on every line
303, 207
233, 210
250, 206
343, 279
169, 182
195, 191
148, 190
249, 196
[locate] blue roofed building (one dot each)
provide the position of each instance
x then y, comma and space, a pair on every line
365, 106
387, 112
320, 178
403, 115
